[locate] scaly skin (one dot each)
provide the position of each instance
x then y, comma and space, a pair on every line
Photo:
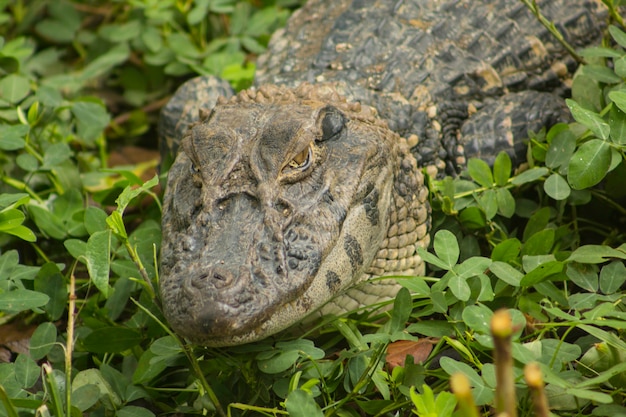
428, 65
284, 201
280, 200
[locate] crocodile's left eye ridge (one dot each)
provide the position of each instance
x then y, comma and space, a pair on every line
332, 123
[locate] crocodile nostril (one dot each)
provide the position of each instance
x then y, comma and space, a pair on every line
220, 277
215, 277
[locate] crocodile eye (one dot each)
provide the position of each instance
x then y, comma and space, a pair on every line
302, 160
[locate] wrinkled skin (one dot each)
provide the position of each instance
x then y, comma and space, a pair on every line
259, 197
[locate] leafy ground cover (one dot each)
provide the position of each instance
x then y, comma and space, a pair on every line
80, 328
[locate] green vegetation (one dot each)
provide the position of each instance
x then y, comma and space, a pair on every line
81, 81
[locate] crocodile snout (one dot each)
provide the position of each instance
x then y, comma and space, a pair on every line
218, 301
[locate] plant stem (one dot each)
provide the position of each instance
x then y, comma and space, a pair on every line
22, 187
614, 13
57, 402
69, 347
142, 270
365, 379
602, 196
263, 410
462, 391
532, 6
200, 375
8, 406
534, 379
501, 330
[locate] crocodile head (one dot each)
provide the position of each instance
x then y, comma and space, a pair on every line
278, 201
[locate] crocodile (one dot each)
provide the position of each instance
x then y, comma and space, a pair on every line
289, 200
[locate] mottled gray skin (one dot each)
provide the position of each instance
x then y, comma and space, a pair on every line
284, 201
280, 200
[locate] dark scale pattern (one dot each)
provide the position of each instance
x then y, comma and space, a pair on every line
332, 281
354, 252
371, 206
416, 60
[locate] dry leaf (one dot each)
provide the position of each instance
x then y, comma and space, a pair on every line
419, 350
14, 338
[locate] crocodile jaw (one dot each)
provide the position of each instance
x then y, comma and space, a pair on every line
230, 301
